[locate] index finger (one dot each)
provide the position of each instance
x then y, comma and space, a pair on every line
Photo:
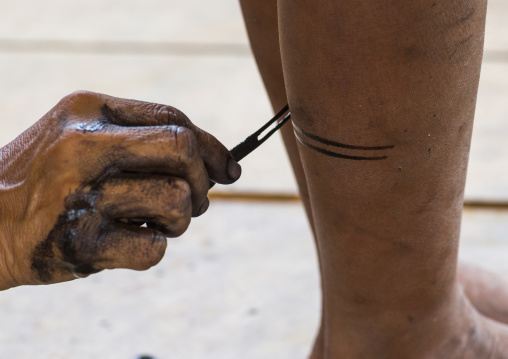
219, 163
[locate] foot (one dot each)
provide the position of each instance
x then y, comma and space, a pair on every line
487, 292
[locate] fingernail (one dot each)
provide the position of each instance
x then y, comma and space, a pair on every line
234, 169
203, 207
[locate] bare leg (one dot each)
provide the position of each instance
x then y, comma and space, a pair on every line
485, 290
261, 22
382, 95
262, 25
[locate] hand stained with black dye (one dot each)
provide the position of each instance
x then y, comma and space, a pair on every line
97, 230
77, 186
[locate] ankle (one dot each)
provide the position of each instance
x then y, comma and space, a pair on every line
454, 330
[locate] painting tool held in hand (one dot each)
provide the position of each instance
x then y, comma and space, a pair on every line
257, 138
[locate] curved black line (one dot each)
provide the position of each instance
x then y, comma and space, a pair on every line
337, 144
334, 154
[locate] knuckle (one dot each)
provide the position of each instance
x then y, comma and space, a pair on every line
78, 97
148, 107
72, 107
186, 142
164, 114
70, 136
180, 192
171, 115
179, 214
179, 117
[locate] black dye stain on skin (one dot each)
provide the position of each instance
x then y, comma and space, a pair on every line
320, 141
166, 115
85, 230
65, 249
117, 118
82, 234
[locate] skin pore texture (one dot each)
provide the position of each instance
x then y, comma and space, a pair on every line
76, 187
382, 96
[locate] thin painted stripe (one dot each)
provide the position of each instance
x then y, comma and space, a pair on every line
339, 155
337, 144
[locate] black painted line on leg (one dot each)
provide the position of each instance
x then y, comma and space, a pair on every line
337, 144
339, 155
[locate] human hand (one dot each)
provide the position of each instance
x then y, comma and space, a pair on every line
77, 186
